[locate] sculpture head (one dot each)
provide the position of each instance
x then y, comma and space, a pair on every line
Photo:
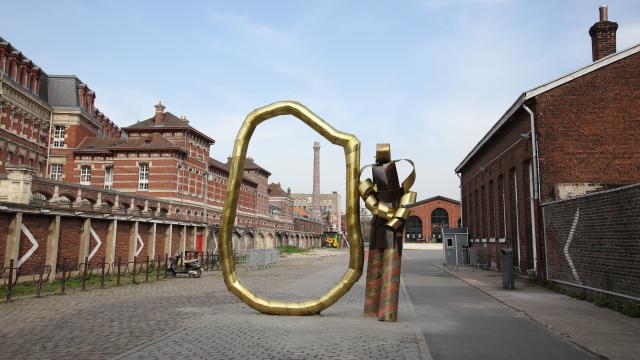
383, 153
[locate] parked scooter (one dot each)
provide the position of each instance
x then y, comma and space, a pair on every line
190, 267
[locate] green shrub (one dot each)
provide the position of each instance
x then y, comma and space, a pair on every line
290, 249
601, 299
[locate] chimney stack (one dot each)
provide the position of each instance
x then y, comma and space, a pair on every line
159, 117
315, 197
603, 35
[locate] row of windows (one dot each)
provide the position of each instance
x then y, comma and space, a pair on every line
85, 175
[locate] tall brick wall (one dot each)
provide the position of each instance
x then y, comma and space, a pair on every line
38, 227
160, 239
122, 241
175, 239
69, 241
605, 242
5, 219
495, 194
588, 128
143, 231
100, 227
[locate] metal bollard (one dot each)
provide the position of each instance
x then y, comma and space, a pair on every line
63, 284
158, 268
166, 257
146, 275
118, 273
133, 275
84, 273
10, 285
39, 289
104, 261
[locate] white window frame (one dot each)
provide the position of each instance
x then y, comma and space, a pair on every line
143, 177
58, 136
56, 172
108, 177
85, 175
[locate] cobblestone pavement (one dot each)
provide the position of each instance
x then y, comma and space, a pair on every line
200, 318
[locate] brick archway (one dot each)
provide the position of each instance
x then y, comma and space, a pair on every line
424, 209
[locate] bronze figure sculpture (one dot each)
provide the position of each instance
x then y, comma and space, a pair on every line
386, 198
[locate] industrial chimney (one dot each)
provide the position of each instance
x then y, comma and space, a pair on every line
315, 196
603, 35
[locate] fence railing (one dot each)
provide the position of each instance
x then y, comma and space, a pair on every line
256, 259
99, 273
478, 257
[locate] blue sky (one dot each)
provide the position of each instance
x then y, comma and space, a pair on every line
430, 76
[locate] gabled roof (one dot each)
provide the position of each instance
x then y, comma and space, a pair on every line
102, 145
542, 89
170, 121
98, 145
218, 164
434, 198
276, 190
250, 164
224, 167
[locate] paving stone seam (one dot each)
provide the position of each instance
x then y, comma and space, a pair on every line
153, 342
564, 336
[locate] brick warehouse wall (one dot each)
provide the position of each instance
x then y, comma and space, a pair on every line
160, 239
495, 194
38, 226
605, 242
100, 227
424, 211
5, 219
122, 241
588, 128
69, 243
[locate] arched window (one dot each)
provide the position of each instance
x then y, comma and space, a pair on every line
413, 228
439, 220
440, 216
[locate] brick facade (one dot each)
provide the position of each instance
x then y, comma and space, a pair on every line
586, 129
148, 175
604, 242
425, 209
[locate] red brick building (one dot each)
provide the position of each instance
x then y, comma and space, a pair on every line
572, 135
50, 123
429, 216
25, 115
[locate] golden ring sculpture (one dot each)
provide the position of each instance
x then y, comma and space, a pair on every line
351, 146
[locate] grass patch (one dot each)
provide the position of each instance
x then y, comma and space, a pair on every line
626, 306
75, 283
289, 249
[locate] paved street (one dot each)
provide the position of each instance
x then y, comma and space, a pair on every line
460, 322
199, 318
